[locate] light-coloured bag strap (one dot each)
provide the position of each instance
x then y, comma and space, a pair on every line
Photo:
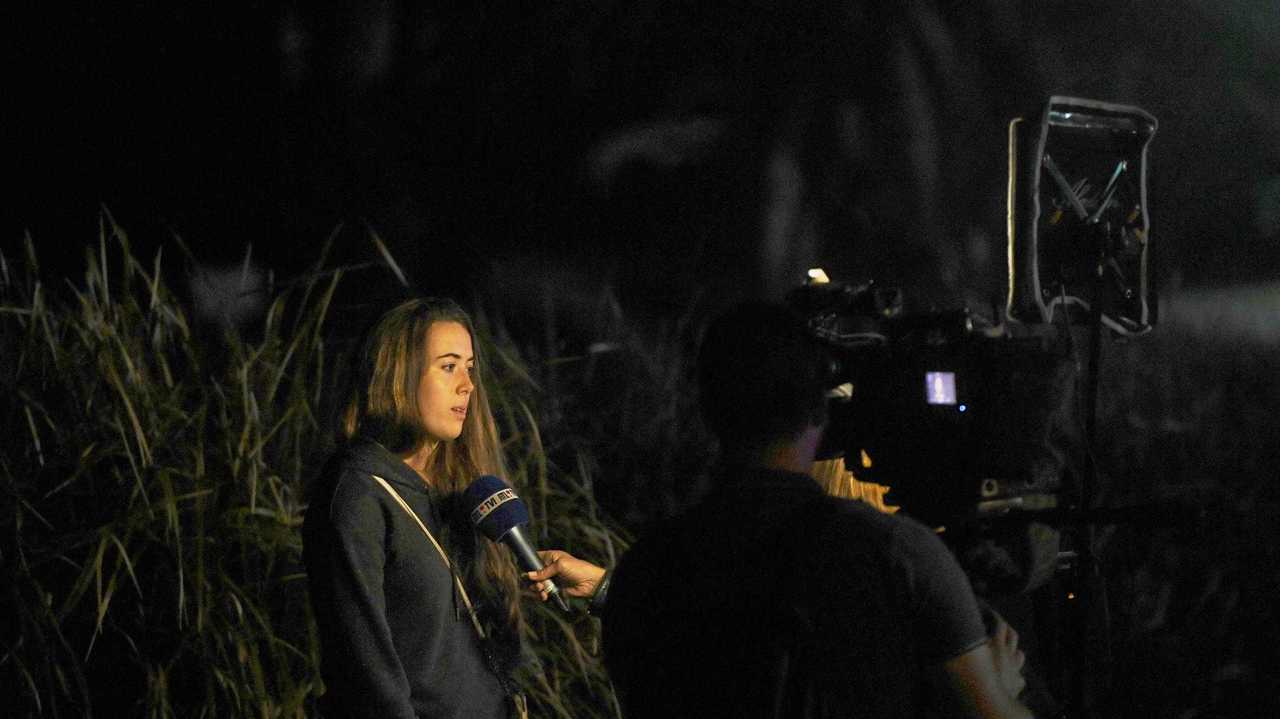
519, 703
475, 621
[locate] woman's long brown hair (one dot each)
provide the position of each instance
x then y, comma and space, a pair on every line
383, 407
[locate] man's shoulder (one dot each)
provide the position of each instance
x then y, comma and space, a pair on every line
657, 540
859, 532
854, 516
834, 517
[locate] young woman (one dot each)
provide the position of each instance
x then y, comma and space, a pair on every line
397, 633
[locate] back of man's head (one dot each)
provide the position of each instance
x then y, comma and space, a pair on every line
760, 376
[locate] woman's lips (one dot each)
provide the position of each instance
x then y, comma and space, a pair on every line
459, 412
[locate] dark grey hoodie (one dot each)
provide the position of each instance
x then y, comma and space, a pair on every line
396, 642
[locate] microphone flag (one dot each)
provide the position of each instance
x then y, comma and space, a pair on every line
500, 515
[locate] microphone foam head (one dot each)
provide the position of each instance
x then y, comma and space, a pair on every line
495, 508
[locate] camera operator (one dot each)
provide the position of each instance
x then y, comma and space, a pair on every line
771, 598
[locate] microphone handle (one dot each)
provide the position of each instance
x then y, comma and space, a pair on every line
529, 560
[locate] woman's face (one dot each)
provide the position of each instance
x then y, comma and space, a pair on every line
444, 393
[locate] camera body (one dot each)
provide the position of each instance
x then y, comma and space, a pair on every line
967, 425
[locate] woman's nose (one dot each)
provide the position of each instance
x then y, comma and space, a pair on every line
466, 385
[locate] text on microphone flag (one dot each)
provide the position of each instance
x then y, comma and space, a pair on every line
492, 502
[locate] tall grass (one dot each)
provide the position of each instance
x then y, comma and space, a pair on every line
153, 472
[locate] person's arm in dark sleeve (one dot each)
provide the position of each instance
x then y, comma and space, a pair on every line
348, 578
623, 655
979, 675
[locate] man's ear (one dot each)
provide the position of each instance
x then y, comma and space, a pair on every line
810, 438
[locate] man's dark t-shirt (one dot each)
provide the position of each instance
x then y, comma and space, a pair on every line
772, 599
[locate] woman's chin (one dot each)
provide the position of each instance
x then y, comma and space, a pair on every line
446, 434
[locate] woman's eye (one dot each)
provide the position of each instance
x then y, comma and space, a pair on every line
448, 367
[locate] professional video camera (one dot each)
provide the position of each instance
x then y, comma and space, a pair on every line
963, 421
974, 421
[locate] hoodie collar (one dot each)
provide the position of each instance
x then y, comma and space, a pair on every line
373, 458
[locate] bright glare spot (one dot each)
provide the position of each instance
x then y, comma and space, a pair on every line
817, 276
866, 459
844, 391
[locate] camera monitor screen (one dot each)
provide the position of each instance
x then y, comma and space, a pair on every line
940, 387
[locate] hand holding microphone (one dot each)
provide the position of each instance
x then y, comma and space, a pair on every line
501, 516
578, 577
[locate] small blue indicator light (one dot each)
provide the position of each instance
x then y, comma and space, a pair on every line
963, 407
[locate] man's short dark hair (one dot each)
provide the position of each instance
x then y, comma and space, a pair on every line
761, 376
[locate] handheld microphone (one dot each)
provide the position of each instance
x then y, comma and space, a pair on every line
501, 516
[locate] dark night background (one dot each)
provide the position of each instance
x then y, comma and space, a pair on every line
677, 154
598, 136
